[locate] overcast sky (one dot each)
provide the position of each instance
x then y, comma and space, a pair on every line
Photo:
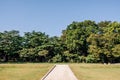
53, 16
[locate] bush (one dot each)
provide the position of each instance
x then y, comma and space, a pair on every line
57, 58
91, 59
82, 59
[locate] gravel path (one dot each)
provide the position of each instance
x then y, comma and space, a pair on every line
60, 72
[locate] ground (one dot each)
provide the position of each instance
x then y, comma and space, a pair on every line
35, 71
96, 71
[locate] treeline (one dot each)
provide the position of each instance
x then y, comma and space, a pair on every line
86, 41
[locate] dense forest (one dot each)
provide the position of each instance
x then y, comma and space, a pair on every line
87, 42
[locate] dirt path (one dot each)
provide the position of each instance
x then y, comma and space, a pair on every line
60, 72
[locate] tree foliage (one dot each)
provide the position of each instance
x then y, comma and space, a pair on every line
85, 41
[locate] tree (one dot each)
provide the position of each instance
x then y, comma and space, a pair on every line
10, 43
104, 45
34, 39
76, 34
85, 41
34, 45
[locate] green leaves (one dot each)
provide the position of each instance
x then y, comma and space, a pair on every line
76, 35
106, 43
10, 43
84, 41
116, 51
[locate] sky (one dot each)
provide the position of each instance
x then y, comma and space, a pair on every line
53, 16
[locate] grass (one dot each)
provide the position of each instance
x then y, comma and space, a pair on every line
29, 71
35, 71
96, 71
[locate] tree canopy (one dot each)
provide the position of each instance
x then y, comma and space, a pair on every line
85, 41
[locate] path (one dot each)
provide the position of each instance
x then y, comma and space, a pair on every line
60, 72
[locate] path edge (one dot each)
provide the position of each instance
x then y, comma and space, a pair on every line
48, 73
72, 72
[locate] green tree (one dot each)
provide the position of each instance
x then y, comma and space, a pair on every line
103, 45
10, 43
76, 34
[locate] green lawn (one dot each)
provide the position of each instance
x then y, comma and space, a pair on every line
35, 71
96, 71
28, 71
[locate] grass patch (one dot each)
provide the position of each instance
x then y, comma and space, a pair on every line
96, 71
35, 71
29, 71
